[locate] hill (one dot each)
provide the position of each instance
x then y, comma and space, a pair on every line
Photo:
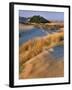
38, 19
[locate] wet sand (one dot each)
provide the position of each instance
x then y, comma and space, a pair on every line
23, 27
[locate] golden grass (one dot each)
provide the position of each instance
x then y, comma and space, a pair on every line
33, 47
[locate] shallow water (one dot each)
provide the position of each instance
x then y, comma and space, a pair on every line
58, 52
30, 34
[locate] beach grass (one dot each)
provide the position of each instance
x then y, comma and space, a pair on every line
35, 46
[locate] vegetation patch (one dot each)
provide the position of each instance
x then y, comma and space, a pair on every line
34, 47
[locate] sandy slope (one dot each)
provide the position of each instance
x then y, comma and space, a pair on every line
42, 66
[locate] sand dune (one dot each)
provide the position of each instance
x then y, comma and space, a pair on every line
36, 61
42, 66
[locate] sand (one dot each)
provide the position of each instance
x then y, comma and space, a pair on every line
43, 66
23, 27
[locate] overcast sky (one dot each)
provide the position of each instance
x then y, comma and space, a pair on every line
45, 14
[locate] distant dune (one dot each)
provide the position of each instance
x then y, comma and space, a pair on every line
47, 26
23, 27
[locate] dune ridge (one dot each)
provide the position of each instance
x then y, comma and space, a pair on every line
34, 57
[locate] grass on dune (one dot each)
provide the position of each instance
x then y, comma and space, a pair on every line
33, 47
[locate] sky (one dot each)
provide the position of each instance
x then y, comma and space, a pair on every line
48, 15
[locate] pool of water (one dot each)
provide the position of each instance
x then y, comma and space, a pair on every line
58, 52
30, 34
